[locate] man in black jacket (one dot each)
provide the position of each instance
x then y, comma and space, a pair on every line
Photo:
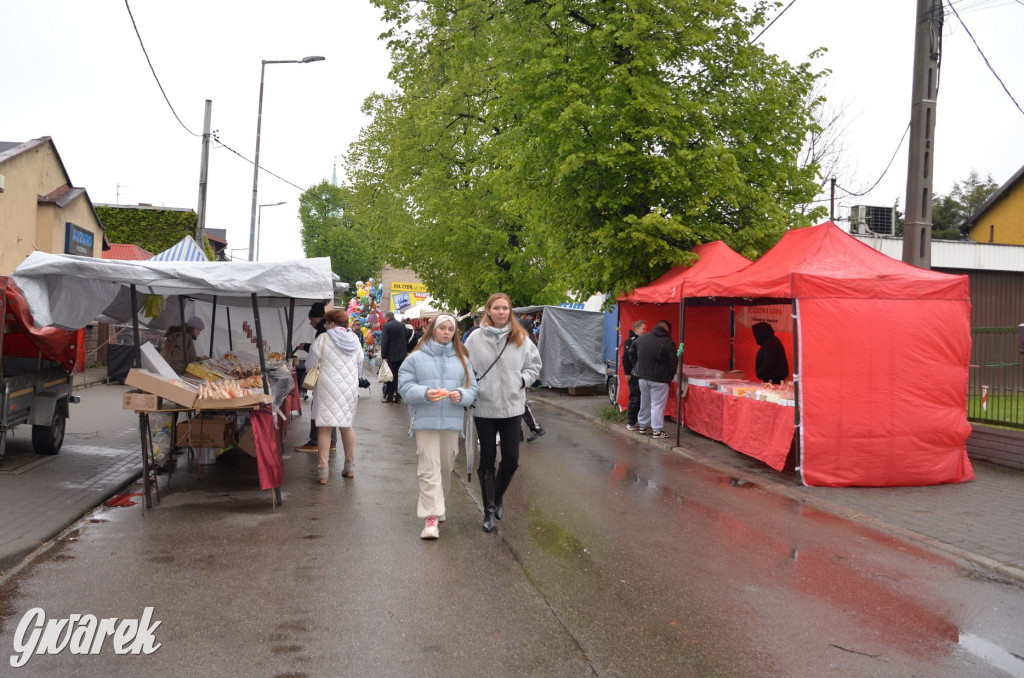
628, 365
394, 347
656, 363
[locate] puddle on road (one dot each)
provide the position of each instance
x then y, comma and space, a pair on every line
993, 654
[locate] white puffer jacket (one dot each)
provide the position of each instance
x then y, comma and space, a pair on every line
337, 390
502, 390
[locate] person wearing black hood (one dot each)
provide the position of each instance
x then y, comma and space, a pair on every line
317, 320
655, 367
770, 364
394, 347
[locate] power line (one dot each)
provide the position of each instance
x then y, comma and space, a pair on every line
262, 168
985, 58
863, 193
153, 70
773, 21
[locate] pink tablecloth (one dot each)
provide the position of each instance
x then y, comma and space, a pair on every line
756, 428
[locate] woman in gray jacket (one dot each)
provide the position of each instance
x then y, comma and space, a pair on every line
437, 383
506, 362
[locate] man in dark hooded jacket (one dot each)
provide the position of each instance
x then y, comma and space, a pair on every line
655, 367
770, 364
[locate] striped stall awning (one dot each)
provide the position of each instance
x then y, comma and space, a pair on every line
185, 249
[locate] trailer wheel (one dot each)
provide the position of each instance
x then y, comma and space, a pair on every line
48, 439
612, 385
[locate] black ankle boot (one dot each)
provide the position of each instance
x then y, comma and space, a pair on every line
501, 483
487, 494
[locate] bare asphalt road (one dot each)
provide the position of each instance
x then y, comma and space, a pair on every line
615, 558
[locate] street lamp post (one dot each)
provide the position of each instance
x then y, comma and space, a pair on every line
259, 227
256, 160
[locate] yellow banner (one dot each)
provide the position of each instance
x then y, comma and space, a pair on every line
408, 287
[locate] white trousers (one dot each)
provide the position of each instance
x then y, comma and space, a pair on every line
653, 398
435, 452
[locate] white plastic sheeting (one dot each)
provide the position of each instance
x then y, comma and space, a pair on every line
69, 292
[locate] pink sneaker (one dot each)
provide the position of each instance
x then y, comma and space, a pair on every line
430, 530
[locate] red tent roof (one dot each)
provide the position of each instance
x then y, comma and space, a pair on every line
823, 261
716, 259
126, 253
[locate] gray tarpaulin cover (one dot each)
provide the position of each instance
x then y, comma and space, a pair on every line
571, 345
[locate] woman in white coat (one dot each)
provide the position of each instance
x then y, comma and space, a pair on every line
506, 362
336, 393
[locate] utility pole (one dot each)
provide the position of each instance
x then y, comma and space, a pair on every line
832, 202
917, 227
204, 166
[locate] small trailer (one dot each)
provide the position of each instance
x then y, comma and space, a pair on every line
35, 380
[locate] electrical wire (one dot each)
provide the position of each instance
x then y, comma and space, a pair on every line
214, 136
884, 172
264, 169
985, 58
756, 37
153, 70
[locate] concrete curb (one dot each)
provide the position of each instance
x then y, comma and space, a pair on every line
873, 522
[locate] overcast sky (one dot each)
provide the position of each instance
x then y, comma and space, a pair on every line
75, 71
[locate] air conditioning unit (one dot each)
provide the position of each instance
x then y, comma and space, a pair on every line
867, 219
858, 220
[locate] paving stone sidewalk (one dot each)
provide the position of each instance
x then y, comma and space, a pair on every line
981, 522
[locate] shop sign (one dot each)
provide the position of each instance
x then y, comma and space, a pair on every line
406, 294
77, 240
779, 316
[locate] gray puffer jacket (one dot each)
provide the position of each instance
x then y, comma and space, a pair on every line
502, 390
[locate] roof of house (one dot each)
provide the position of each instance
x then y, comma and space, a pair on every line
127, 252
63, 194
1000, 192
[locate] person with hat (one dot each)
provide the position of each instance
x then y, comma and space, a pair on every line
317, 320
179, 353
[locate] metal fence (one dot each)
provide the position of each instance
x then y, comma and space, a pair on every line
996, 384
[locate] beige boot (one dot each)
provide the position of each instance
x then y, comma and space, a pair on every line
322, 473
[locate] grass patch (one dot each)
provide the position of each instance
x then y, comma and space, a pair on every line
1002, 409
610, 414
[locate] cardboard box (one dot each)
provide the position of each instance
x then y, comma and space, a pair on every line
582, 390
213, 432
174, 390
247, 443
153, 362
141, 402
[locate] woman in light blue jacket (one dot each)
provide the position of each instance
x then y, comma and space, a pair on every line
438, 384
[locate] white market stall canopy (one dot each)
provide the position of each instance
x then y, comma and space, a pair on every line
426, 309
69, 292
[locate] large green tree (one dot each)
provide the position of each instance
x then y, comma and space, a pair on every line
951, 211
327, 231
540, 146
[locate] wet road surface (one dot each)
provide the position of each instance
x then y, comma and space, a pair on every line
615, 558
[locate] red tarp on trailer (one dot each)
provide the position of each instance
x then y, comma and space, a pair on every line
24, 340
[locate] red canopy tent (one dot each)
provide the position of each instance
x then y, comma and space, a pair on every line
882, 353
707, 328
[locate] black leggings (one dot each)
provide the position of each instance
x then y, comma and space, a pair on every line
487, 430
